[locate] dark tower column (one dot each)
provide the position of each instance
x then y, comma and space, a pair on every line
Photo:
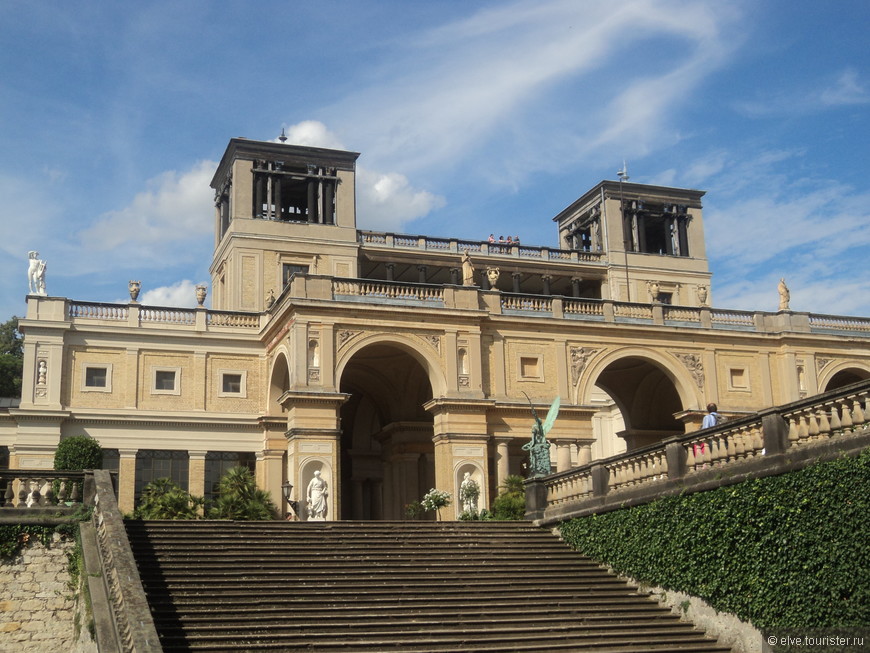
575, 286
517, 276
312, 201
545, 280
390, 269
454, 276
422, 269
328, 208
259, 192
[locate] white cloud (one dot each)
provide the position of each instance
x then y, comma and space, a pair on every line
176, 207
386, 201
847, 90
181, 294
481, 79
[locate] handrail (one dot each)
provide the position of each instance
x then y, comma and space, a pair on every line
787, 429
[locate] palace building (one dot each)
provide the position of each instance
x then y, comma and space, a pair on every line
396, 363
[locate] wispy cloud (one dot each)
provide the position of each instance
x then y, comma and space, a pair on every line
844, 89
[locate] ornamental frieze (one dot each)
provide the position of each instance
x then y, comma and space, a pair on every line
345, 336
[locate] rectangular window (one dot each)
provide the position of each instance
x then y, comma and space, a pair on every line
153, 464
289, 269
738, 379
217, 463
232, 383
96, 378
165, 380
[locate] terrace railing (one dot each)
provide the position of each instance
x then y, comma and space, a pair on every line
771, 441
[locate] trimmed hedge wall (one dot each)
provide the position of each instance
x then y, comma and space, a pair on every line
781, 552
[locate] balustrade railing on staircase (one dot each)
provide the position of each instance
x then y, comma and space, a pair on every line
727, 450
38, 488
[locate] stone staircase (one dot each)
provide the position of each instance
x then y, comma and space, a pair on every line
390, 586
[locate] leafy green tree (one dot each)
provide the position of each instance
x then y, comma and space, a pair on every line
240, 498
78, 452
163, 499
510, 504
11, 358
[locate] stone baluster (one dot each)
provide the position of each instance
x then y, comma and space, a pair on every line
35, 495
50, 498
23, 491
836, 424
824, 424
757, 440
803, 431
74, 495
739, 445
858, 416
690, 457
846, 419
792, 431
813, 428
10, 494
63, 492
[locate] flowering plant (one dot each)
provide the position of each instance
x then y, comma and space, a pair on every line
435, 499
469, 491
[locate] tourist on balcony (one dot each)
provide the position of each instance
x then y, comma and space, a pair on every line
516, 240
510, 241
491, 238
712, 418
501, 239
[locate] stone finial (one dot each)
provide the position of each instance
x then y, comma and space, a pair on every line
134, 287
201, 292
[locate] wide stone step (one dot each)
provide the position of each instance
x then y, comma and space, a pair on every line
390, 586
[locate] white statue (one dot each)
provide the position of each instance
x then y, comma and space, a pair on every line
469, 491
467, 270
35, 274
784, 295
317, 494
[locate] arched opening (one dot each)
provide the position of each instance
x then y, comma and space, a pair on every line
846, 377
279, 383
646, 398
387, 453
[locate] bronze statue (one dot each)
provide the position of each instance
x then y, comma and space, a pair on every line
538, 447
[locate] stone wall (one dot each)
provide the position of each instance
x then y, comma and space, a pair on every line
37, 605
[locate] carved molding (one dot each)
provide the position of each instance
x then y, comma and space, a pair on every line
822, 362
433, 340
695, 366
579, 358
345, 336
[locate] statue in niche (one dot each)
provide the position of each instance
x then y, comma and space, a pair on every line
492, 275
467, 270
702, 295
784, 295
318, 492
36, 274
469, 492
41, 372
538, 447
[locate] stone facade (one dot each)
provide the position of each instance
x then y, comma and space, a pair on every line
38, 607
364, 356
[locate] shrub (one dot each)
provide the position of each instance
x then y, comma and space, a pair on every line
163, 499
510, 504
787, 551
78, 452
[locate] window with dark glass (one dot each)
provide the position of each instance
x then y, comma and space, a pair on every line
164, 380
96, 377
232, 383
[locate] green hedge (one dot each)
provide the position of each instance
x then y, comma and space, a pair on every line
782, 552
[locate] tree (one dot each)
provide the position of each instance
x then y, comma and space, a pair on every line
11, 358
510, 504
240, 498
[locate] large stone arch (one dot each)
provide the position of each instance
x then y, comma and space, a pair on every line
422, 351
387, 448
648, 387
841, 374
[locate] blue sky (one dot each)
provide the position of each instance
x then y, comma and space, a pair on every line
471, 118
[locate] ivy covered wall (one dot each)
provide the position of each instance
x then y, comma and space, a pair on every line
781, 552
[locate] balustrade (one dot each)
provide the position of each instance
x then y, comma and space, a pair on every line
732, 318
229, 319
97, 311
633, 311
834, 414
537, 303
39, 488
580, 307
388, 290
175, 316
